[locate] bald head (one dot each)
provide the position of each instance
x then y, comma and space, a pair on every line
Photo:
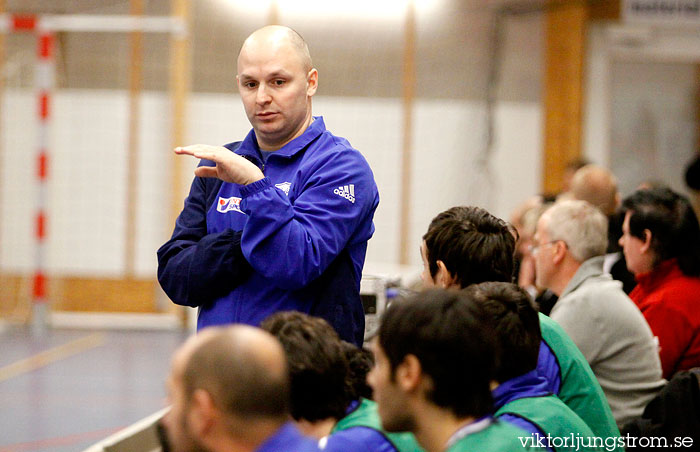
243, 368
596, 185
276, 38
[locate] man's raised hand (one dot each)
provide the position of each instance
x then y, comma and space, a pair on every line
230, 167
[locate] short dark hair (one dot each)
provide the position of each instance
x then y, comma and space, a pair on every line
239, 382
674, 228
516, 324
474, 245
318, 366
361, 362
452, 339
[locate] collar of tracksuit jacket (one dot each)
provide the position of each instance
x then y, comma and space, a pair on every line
249, 146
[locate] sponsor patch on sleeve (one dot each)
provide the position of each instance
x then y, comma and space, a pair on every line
228, 204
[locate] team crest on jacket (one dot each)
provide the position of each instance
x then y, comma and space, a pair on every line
284, 186
228, 204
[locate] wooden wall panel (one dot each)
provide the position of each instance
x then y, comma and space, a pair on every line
15, 297
80, 294
135, 85
564, 54
180, 82
604, 9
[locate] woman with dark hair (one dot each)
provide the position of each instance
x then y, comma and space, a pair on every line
661, 242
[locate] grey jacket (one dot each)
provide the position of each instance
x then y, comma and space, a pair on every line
613, 336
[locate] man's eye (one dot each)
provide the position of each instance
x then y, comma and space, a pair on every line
278, 82
250, 84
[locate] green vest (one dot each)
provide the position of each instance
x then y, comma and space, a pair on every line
497, 437
579, 388
366, 415
555, 419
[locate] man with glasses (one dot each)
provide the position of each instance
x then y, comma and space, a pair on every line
569, 248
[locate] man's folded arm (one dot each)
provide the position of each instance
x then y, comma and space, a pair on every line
194, 267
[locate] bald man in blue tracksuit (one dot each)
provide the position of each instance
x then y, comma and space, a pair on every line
281, 220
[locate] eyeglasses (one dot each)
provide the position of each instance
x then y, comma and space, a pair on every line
534, 249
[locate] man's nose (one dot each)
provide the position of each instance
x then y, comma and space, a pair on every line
262, 96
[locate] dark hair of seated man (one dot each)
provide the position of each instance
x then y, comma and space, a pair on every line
473, 245
516, 326
326, 373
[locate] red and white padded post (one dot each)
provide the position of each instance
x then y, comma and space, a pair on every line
44, 85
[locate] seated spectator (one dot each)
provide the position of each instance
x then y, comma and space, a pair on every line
570, 171
326, 391
522, 396
435, 362
229, 390
468, 245
661, 242
598, 186
525, 263
603, 322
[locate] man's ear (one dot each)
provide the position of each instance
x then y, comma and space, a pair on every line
646, 246
409, 373
560, 250
312, 82
443, 277
202, 413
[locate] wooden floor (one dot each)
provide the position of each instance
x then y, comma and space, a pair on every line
68, 389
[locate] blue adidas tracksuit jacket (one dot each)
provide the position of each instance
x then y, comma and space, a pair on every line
359, 437
295, 240
288, 439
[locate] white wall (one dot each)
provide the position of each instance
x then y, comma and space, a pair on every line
641, 102
87, 188
653, 130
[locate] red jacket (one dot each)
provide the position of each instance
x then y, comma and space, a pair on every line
670, 301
